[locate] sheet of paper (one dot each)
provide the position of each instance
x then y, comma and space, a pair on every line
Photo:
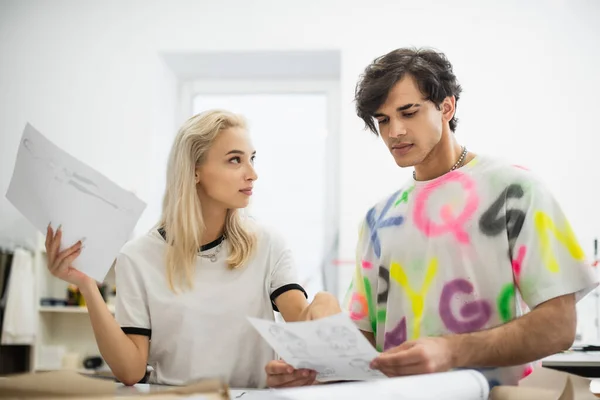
333, 346
49, 185
463, 385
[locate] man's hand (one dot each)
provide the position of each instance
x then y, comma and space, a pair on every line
280, 375
422, 356
323, 305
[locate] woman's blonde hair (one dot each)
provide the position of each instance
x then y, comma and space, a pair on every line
182, 212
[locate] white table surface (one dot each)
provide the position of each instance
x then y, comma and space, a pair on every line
573, 359
143, 388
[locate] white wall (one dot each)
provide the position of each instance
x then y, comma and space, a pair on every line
89, 75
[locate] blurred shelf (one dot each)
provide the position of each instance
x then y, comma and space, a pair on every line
80, 370
69, 309
102, 373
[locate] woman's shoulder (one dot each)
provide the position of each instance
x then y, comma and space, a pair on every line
143, 245
268, 237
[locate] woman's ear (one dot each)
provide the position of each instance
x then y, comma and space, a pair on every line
197, 175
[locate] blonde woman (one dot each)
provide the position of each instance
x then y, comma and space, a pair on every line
184, 289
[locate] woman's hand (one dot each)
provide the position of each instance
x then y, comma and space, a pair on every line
59, 262
281, 375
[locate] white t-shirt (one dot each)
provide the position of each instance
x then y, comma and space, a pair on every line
203, 332
445, 256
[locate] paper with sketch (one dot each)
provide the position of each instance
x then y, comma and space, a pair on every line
332, 346
49, 185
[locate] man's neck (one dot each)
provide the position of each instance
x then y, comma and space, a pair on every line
441, 159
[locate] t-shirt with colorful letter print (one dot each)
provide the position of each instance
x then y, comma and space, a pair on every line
467, 251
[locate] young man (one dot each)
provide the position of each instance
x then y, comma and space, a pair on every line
472, 263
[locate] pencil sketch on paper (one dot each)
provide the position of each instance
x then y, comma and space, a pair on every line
322, 371
294, 344
333, 347
340, 339
48, 185
363, 365
72, 178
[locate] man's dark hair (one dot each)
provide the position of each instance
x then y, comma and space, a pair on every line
430, 69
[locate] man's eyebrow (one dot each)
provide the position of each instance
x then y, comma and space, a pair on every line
401, 108
407, 106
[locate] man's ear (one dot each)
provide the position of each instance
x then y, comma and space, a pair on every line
448, 108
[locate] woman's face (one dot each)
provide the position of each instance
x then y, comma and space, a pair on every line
227, 175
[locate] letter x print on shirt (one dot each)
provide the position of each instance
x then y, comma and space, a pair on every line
377, 222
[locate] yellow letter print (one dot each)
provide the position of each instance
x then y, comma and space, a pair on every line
543, 224
417, 298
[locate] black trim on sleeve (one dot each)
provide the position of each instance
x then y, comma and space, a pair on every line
137, 331
285, 288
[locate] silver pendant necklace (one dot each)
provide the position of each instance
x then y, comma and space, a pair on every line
212, 257
458, 163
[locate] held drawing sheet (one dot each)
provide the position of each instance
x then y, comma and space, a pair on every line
49, 185
332, 346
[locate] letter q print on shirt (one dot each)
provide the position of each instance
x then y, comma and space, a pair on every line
377, 222
451, 223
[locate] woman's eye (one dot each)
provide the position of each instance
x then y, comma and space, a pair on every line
408, 115
235, 160
382, 121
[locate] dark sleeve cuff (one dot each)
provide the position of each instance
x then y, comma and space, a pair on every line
137, 331
279, 291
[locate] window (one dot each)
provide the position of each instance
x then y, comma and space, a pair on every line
296, 192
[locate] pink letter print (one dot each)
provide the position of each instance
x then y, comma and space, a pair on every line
475, 314
451, 223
